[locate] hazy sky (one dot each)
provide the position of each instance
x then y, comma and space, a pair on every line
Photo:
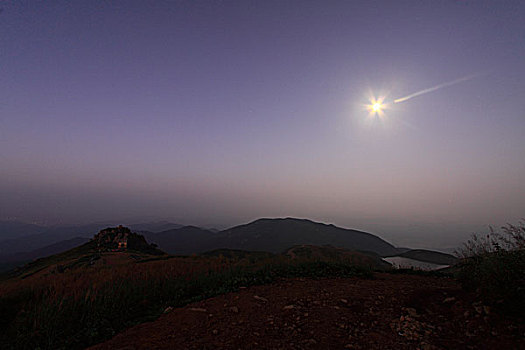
220, 112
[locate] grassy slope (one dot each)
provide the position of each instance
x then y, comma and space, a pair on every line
88, 303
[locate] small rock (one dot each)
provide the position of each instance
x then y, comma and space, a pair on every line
260, 298
449, 300
486, 309
426, 346
168, 309
215, 332
344, 301
234, 309
288, 307
198, 309
412, 312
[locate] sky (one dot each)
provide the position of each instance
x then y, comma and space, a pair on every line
221, 112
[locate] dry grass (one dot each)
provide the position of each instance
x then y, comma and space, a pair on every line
86, 305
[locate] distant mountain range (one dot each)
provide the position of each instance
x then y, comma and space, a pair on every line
16, 229
11, 261
267, 235
17, 237
20, 242
184, 241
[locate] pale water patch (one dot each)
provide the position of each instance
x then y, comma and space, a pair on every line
406, 263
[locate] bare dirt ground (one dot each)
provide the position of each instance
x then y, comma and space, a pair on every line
388, 312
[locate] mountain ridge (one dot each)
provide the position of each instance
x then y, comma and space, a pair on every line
283, 233
274, 235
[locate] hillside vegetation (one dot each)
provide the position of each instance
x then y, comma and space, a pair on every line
88, 294
494, 267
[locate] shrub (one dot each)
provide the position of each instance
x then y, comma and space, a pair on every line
494, 265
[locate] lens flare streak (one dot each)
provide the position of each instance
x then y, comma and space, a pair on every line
440, 86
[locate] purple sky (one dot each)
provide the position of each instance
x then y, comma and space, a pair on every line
220, 112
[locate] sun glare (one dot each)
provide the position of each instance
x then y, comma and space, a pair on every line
376, 106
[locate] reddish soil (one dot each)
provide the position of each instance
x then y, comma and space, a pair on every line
388, 312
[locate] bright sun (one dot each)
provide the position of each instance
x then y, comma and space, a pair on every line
376, 107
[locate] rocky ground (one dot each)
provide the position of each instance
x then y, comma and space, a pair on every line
388, 312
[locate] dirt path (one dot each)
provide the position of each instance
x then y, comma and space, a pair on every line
388, 312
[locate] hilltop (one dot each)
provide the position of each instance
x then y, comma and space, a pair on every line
121, 238
276, 235
116, 245
29, 242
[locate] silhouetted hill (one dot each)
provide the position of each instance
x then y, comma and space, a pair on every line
158, 226
276, 235
121, 238
16, 229
269, 235
11, 261
23, 238
117, 245
49, 236
186, 240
